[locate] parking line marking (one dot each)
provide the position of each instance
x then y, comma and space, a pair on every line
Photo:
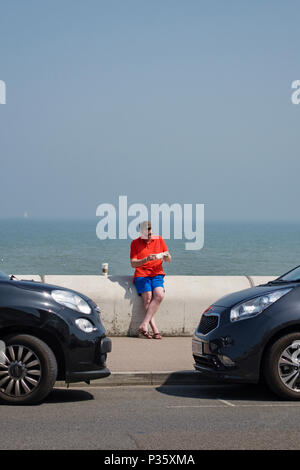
194, 406
236, 406
270, 405
226, 402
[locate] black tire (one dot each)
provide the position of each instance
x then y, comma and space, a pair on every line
29, 372
282, 367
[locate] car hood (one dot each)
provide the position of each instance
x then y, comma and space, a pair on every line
39, 286
246, 294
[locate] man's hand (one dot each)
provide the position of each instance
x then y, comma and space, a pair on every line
136, 263
151, 257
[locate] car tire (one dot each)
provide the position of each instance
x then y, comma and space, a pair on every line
281, 369
28, 371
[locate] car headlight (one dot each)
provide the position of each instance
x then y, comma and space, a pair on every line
71, 300
85, 325
255, 306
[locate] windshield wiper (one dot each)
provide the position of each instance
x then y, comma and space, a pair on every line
282, 281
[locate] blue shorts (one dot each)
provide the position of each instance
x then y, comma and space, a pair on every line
147, 284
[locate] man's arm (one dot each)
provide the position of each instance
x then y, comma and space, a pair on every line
135, 263
167, 257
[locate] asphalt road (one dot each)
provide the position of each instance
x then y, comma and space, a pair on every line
154, 418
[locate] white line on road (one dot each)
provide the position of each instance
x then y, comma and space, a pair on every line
226, 402
194, 406
272, 405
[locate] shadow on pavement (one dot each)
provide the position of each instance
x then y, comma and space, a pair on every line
218, 390
58, 396
68, 396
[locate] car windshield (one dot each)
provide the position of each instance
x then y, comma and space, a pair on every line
3, 276
293, 275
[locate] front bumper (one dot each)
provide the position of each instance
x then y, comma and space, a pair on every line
229, 351
91, 363
87, 376
211, 365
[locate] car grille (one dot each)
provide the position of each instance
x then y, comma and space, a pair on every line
208, 323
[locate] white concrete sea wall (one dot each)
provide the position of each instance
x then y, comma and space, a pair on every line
29, 277
256, 280
180, 312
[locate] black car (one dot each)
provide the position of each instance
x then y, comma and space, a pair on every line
47, 333
254, 334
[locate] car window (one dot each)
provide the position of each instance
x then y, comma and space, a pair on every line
293, 275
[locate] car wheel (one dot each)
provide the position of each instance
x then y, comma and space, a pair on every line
282, 366
28, 370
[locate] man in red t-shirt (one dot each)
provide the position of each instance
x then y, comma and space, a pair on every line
146, 255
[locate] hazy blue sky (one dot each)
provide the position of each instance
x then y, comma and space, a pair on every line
159, 100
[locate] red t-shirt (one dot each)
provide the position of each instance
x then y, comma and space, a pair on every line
141, 248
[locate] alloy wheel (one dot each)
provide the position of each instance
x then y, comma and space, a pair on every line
289, 367
20, 371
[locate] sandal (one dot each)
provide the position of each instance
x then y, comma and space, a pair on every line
144, 334
157, 336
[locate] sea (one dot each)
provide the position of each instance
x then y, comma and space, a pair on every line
49, 246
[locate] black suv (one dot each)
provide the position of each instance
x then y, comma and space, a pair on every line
47, 333
254, 334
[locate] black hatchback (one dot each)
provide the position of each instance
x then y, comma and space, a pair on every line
47, 333
254, 334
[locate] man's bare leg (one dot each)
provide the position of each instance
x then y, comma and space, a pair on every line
158, 296
146, 297
152, 302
